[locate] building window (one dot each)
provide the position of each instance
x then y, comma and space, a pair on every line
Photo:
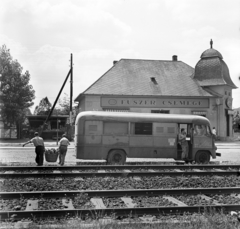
143, 128
160, 111
115, 110
201, 113
225, 92
229, 93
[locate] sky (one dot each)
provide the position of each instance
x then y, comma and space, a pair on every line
42, 34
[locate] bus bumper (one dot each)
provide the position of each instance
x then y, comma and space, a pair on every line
218, 154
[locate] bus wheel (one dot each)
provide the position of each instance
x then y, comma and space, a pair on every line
202, 157
116, 156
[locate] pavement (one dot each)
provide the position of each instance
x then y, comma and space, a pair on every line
12, 153
50, 143
19, 143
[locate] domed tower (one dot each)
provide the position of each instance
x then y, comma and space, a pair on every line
212, 73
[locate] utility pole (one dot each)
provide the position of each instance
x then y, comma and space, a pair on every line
50, 113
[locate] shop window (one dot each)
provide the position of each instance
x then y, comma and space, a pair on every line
160, 111
143, 128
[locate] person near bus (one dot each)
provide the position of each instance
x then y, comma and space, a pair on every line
39, 148
214, 132
184, 144
63, 146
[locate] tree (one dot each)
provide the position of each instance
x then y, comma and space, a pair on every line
16, 92
236, 120
64, 105
43, 108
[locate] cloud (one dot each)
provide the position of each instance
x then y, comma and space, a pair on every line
195, 11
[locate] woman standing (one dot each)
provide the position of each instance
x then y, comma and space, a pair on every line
63, 146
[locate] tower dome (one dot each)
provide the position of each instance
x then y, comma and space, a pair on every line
211, 53
211, 70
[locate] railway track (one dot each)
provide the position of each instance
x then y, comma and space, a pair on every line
214, 186
120, 170
127, 202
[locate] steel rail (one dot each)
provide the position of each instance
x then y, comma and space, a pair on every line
119, 174
120, 193
106, 167
96, 213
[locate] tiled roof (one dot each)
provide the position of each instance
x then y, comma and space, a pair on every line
147, 77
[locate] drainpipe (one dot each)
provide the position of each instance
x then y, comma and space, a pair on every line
218, 103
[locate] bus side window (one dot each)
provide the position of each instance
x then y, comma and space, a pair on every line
143, 128
115, 128
93, 127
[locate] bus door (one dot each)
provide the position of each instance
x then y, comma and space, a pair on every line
203, 139
189, 138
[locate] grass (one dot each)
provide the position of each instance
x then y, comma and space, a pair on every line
207, 220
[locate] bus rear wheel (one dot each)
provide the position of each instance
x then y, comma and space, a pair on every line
202, 157
116, 156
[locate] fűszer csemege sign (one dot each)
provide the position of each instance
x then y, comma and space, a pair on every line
154, 102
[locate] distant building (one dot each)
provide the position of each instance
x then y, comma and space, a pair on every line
57, 125
171, 87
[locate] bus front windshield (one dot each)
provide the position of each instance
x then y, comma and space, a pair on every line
201, 130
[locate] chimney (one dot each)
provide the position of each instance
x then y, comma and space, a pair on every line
174, 58
114, 62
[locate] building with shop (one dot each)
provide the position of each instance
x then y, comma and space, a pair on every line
166, 86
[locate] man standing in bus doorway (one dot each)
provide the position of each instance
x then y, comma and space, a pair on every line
63, 146
39, 148
184, 144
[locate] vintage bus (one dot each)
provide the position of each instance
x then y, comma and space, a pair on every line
113, 136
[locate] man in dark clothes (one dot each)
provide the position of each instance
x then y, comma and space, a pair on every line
40, 148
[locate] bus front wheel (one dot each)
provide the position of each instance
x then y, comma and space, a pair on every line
202, 157
116, 157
